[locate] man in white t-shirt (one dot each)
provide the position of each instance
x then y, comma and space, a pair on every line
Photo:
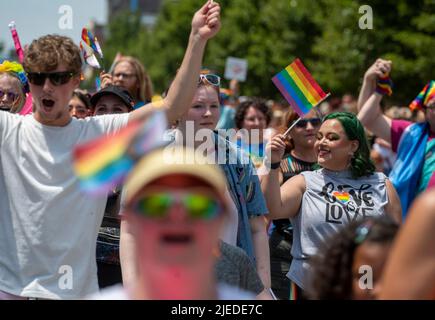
48, 229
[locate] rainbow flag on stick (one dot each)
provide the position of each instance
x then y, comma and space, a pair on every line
299, 88
427, 94
104, 163
92, 46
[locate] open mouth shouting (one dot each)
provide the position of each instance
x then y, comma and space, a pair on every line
47, 104
177, 247
176, 239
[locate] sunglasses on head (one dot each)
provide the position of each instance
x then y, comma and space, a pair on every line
9, 95
315, 122
209, 78
56, 78
158, 205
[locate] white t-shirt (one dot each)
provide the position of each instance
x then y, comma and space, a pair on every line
48, 227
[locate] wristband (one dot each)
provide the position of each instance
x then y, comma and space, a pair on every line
275, 165
384, 85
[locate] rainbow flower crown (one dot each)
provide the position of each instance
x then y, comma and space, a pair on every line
17, 70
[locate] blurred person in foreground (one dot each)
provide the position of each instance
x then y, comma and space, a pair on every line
410, 270
176, 206
350, 264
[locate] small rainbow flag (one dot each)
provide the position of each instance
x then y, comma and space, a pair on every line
103, 163
299, 88
384, 85
88, 55
91, 41
427, 94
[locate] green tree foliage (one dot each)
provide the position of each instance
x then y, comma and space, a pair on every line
126, 35
325, 34
402, 32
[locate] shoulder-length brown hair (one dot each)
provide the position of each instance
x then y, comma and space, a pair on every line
145, 90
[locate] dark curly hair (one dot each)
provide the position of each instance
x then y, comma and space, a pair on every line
361, 164
332, 266
255, 103
83, 96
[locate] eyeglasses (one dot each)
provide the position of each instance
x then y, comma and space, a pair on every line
9, 95
363, 231
197, 206
56, 78
124, 75
315, 122
212, 79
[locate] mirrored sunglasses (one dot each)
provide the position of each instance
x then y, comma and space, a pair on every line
158, 205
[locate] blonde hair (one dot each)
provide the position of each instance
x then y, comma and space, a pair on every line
145, 90
19, 104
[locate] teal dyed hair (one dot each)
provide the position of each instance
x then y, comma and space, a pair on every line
361, 164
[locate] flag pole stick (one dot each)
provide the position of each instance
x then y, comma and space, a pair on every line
294, 123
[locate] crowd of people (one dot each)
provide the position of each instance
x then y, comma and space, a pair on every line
235, 205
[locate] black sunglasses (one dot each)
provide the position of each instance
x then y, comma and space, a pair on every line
315, 122
56, 78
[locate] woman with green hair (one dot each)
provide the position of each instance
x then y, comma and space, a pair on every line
319, 203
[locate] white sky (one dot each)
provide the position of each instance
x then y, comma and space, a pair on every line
35, 18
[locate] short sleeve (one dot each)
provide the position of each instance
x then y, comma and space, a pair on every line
110, 123
397, 129
255, 202
7, 122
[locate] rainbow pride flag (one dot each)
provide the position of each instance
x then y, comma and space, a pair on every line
428, 93
299, 88
103, 163
384, 85
91, 41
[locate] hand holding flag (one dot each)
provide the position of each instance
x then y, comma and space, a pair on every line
91, 46
88, 55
